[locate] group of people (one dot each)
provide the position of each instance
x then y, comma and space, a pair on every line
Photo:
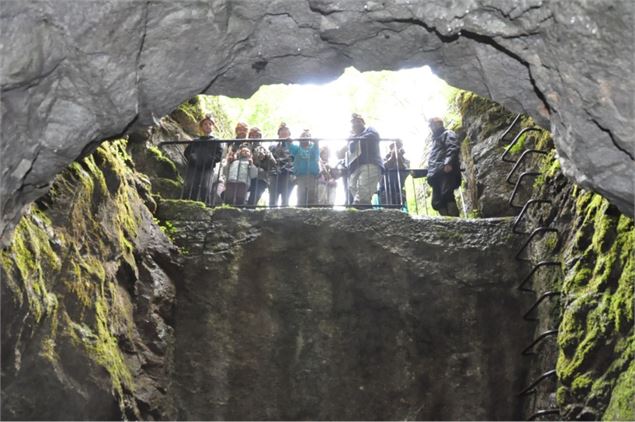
240, 171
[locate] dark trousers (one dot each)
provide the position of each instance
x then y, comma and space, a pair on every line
280, 186
443, 200
256, 189
393, 187
235, 193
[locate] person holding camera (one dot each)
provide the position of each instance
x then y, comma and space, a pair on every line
264, 162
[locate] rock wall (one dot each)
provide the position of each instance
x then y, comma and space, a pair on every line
380, 316
319, 314
85, 71
593, 349
87, 297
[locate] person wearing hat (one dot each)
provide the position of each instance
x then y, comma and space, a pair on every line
306, 167
363, 161
281, 178
444, 168
264, 162
202, 155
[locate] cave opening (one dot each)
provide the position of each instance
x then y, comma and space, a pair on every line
397, 104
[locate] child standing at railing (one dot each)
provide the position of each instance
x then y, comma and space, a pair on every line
240, 171
327, 183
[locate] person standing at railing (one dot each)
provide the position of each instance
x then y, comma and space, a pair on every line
264, 162
306, 166
444, 170
363, 161
281, 178
327, 182
202, 155
240, 171
240, 132
395, 163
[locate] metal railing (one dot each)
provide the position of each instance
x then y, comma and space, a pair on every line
532, 234
219, 172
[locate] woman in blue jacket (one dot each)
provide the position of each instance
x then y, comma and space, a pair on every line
306, 165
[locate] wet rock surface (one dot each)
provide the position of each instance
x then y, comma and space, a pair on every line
86, 71
320, 314
87, 301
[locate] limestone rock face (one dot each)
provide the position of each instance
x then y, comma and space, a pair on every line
484, 137
74, 73
87, 300
325, 315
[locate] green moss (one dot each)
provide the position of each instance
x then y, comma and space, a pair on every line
596, 333
162, 165
549, 167
182, 209
622, 404
62, 263
167, 228
582, 384
28, 263
167, 188
493, 115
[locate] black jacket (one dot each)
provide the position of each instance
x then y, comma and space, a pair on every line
445, 150
365, 150
202, 155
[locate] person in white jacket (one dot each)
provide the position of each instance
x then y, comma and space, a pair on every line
240, 170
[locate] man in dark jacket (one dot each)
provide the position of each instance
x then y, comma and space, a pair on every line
363, 161
444, 171
202, 156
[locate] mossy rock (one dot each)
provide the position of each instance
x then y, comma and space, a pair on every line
167, 188
182, 209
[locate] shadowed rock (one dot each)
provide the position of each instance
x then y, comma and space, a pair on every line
319, 314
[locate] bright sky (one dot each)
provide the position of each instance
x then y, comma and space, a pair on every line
397, 104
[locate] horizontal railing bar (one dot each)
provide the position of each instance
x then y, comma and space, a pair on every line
255, 140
